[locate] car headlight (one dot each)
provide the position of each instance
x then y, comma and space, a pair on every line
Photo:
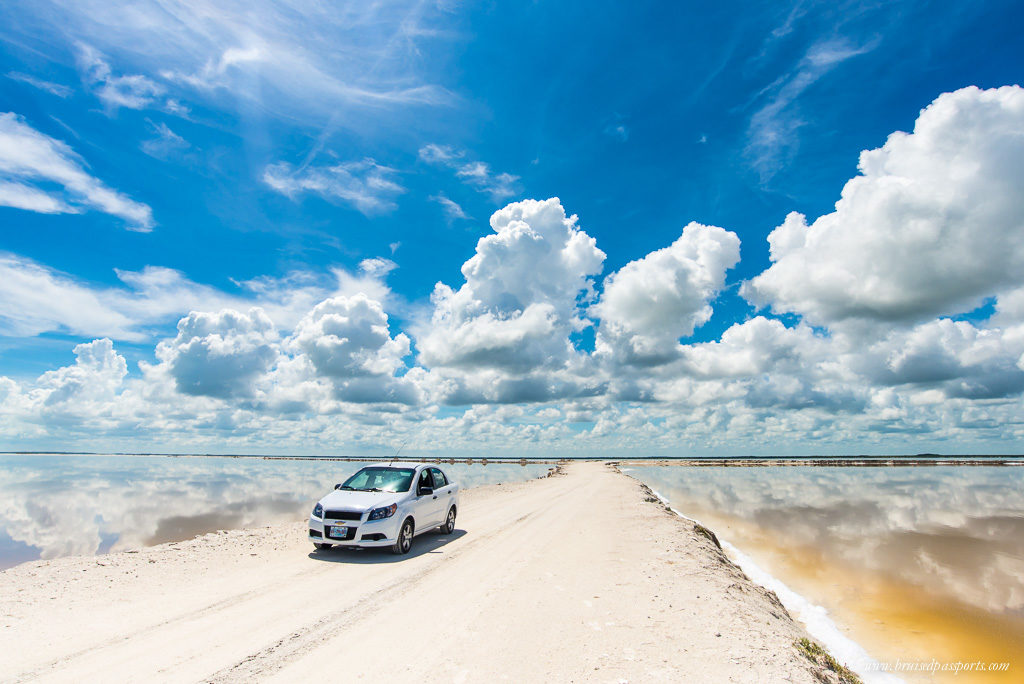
381, 513
318, 511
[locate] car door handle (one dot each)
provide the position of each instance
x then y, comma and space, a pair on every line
435, 496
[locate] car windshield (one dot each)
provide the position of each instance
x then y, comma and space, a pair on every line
380, 479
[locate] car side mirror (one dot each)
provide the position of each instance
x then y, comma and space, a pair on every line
424, 491
337, 486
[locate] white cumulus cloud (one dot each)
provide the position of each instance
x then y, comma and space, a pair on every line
348, 342
96, 375
500, 358
220, 354
956, 358
932, 226
504, 335
349, 337
651, 302
518, 303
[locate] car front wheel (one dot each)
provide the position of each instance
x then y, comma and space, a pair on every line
449, 524
403, 544
321, 547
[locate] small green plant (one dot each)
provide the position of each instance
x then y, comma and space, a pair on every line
819, 656
701, 530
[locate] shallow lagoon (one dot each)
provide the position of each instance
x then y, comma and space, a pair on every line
912, 563
59, 505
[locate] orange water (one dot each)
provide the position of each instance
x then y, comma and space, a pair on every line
894, 620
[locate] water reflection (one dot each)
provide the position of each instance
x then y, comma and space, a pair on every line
924, 562
57, 505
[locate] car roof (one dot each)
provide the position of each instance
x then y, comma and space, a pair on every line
403, 464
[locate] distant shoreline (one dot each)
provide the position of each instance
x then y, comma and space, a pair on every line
866, 461
831, 461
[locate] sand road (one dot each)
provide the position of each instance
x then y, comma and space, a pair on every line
575, 577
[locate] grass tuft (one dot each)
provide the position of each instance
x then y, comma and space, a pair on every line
705, 532
819, 656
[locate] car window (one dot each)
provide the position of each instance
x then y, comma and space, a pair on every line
439, 479
425, 480
385, 479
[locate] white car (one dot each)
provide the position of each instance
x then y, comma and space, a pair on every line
385, 505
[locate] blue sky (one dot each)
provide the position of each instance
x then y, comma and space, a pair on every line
162, 160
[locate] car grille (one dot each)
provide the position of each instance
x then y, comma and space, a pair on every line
350, 534
343, 515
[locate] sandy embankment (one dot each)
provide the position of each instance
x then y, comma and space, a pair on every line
575, 577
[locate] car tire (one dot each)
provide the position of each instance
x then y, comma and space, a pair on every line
449, 524
403, 544
322, 547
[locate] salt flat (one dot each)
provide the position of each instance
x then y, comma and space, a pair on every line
580, 576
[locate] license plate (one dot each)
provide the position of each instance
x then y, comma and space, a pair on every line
338, 532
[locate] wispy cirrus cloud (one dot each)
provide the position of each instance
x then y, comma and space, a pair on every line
284, 58
31, 199
36, 299
222, 73
165, 144
772, 135
31, 163
365, 184
57, 89
617, 131
131, 91
452, 209
476, 174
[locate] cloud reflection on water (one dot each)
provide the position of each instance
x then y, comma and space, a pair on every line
956, 531
57, 505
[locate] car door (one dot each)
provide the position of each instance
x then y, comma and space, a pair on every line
426, 505
443, 489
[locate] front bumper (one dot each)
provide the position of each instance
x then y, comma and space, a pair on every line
359, 533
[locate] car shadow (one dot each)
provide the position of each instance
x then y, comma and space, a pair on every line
428, 542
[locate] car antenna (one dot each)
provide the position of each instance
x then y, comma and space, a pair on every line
398, 451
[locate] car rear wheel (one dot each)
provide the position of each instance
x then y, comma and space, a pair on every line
449, 524
321, 547
403, 544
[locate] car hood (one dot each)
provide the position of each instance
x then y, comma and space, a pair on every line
359, 501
